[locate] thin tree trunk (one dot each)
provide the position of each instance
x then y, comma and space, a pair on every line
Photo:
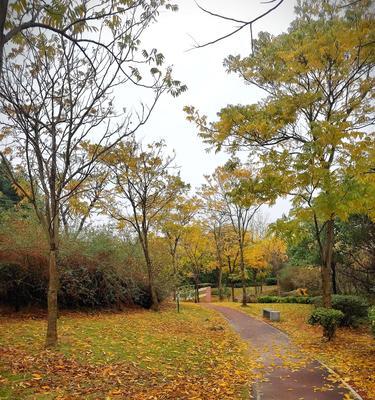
220, 263
334, 277
243, 277
232, 291
220, 287
196, 291
53, 282
3, 15
174, 263
255, 273
327, 264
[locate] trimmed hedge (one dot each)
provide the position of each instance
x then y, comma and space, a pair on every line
328, 318
225, 291
285, 299
354, 308
271, 281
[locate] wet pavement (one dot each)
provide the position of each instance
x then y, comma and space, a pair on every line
287, 374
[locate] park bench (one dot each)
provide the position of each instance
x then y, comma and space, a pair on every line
272, 315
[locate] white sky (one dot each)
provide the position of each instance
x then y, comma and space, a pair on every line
209, 86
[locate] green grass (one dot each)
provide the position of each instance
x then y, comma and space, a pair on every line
194, 351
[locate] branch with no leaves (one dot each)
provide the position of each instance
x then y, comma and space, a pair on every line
243, 24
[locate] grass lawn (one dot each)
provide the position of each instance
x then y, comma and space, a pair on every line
351, 353
134, 355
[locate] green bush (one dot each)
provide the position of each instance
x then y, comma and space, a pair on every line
286, 299
268, 299
371, 317
271, 281
355, 308
328, 318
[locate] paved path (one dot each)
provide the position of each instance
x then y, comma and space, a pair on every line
287, 374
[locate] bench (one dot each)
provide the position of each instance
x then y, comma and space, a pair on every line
272, 315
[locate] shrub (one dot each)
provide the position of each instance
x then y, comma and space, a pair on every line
371, 317
328, 318
286, 299
97, 269
355, 308
20, 287
268, 299
271, 281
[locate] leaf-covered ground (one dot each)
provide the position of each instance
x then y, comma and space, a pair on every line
351, 353
133, 355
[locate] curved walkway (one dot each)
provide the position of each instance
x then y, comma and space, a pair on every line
286, 373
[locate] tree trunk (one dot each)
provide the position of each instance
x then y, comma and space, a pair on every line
255, 273
219, 284
53, 283
174, 262
196, 290
334, 277
150, 273
243, 277
153, 294
327, 264
3, 15
232, 291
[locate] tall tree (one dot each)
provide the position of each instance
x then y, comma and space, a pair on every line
173, 223
197, 254
59, 118
215, 217
237, 205
313, 130
230, 253
144, 187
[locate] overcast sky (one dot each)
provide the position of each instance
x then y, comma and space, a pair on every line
209, 87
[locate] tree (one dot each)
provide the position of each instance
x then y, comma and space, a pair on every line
59, 117
237, 205
230, 253
268, 253
198, 254
173, 224
312, 131
144, 188
215, 217
75, 21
